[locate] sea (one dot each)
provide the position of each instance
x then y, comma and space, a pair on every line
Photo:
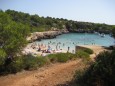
70, 40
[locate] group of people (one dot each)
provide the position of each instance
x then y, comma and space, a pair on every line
42, 48
51, 47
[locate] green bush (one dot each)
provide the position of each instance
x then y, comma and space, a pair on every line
52, 58
101, 73
30, 62
78, 78
41, 61
15, 66
27, 62
89, 51
82, 54
71, 56
61, 57
2, 57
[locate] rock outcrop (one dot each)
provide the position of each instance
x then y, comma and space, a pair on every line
45, 35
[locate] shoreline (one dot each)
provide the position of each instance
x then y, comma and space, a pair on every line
42, 35
32, 48
34, 51
45, 35
53, 34
29, 50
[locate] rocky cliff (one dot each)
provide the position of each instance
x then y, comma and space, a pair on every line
45, 35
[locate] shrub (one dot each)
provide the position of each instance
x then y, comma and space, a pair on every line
101, 73
89, 51
52, 57
82, 54
61, 57
30, 62
78, 78
71, 56
15, 66
2, 57
27, 62
42, 61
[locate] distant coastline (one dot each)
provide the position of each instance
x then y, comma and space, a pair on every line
52, 34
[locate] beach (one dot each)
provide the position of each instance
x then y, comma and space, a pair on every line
65, 42
33, 48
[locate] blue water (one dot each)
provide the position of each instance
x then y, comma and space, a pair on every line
73, 39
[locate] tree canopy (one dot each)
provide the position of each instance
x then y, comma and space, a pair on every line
12, 36
37, 23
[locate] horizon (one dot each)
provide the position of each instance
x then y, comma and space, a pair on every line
96, 11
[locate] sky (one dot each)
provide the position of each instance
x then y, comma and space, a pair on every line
98, 11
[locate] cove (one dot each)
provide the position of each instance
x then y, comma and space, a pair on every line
70, 40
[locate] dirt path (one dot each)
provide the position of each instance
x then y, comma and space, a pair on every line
51, 75
47, 76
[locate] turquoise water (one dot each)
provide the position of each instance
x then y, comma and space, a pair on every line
73, 39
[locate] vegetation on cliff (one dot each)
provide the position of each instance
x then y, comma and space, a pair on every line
37, 23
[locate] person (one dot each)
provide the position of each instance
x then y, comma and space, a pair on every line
68, 49
43, 54
53, 51
49, 49
59, 47
72, 51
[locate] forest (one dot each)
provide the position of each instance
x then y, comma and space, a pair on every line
37, 23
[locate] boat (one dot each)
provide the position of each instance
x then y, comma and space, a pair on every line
102, 35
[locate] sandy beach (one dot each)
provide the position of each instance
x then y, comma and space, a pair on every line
34, 51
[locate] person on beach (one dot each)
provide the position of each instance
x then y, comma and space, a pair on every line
43, 54
56, 47
72, 51
68, 49
59, 47
49, 49
39, 49
41, 45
